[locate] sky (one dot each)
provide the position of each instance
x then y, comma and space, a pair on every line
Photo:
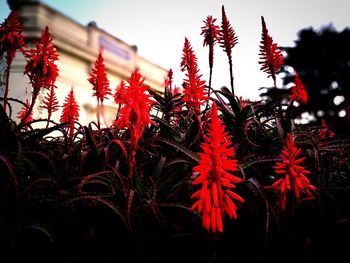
159, 28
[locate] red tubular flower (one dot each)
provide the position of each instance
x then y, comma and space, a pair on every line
135, 105
299, 92
10, 40
23, 114
227, 36
99, 81
119, 94
70, 112
11, 37
50, 103
227, 40
293, 181
41, 68
194, 87
271, 57
210, 31
215, 168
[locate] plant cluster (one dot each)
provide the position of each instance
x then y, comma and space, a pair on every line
194, 174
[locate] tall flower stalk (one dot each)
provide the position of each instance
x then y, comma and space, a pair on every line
210, 31
215, 197
227, 40
194, 88
293, 182
41, 68
70, 112
100, 84
11, 40
271, 58
135, 106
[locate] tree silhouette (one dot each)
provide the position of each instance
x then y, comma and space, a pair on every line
322, 60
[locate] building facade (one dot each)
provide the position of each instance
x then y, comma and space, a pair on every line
78, 47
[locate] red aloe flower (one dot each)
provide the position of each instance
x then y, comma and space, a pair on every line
41, 68
119, 95
194, 87
210, 31
217, 162
271, 57
325, 131
10, 40
294, 182
11, 37
299, 92
119, 92
100, 84
50, 103
99, 81
22, 114
135, 105
227, 40
70, 112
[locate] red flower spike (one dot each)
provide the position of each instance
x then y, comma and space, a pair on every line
189, 59
23, 112
99, 81
120, 92
10, 40
299, 92
194, 87
50, 103
70, 112
210, 31
271, 57
217, 162
294, 183
227, 36
135, 105
41, 68
11, 37
227, 40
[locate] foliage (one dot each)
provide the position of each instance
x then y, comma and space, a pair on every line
265, 187
321, 59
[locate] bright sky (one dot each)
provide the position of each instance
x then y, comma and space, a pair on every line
159, 27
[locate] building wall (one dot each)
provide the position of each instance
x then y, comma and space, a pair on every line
78, 47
